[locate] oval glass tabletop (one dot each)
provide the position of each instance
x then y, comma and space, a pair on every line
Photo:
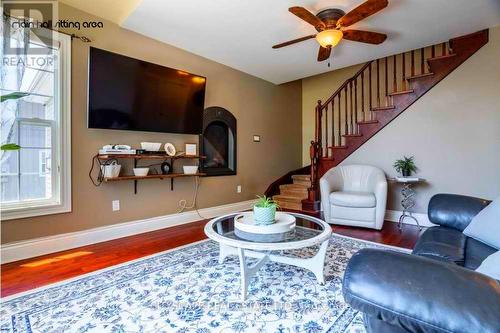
308, 231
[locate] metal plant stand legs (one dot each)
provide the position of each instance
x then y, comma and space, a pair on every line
407, 202
314, 264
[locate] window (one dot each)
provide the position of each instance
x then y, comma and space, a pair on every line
36, 180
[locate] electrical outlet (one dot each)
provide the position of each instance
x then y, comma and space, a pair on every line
238, 189
116, 205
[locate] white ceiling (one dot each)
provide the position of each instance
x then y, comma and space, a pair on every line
240, 33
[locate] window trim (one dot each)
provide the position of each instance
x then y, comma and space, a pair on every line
63, 205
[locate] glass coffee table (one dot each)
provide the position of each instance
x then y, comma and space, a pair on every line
309, 231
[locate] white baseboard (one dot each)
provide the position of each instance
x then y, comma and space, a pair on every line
393, 216
44, 245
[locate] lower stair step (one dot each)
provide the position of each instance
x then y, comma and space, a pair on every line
289, 205
306, 183
301, 177
288, 202
293, 190
286, 198
352, 135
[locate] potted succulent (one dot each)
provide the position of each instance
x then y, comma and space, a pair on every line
405, 166
264, 210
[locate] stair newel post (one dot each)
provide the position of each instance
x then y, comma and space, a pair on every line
433, 51
319, 127
325, 152
443, 49
312, 203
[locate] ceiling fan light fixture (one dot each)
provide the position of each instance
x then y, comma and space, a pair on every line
329, 37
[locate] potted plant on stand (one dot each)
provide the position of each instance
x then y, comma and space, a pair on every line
264, 210
405, 166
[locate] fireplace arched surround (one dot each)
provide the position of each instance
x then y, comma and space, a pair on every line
218, 142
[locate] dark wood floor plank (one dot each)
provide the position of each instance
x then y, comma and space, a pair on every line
15, 278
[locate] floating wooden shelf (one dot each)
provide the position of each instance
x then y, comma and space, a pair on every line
167, 176
148, 156
152, 156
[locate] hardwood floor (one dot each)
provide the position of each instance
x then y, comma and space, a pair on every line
40, 271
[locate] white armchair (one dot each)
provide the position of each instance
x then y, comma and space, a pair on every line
354, 195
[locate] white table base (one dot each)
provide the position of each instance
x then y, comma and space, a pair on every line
314, 264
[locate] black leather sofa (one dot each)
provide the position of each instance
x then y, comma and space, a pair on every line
434, 289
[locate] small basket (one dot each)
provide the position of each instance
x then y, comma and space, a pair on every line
111, 170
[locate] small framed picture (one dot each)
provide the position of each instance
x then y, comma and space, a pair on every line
191, 149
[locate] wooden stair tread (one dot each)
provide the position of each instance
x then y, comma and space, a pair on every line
418, 76
383, 108
451, 55
290, 206
409, 91
293, 187
301, 177
286, 198
352, 135
337, 147
367, 122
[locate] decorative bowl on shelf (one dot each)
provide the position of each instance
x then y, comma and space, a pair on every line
190, 169
151, 146
141, 172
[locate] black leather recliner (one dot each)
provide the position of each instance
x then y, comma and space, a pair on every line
434, 289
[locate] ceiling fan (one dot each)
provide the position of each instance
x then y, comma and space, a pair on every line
330, 24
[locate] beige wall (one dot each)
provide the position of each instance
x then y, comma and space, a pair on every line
453, 131
259, 106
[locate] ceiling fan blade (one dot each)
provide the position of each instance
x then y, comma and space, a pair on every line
324, 53
307, 16
293, 41
364, 10
364, 36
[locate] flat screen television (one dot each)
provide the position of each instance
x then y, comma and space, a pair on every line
131, 94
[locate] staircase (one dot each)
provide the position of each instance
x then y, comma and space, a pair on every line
365, 103
291, 195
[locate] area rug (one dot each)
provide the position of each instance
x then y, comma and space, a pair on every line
186, 290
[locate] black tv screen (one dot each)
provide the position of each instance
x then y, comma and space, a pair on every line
130, 94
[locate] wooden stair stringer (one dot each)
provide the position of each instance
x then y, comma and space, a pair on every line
463, 48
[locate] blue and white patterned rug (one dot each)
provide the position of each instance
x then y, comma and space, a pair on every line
187, 290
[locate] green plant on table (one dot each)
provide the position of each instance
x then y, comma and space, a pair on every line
265, 202
405, 166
